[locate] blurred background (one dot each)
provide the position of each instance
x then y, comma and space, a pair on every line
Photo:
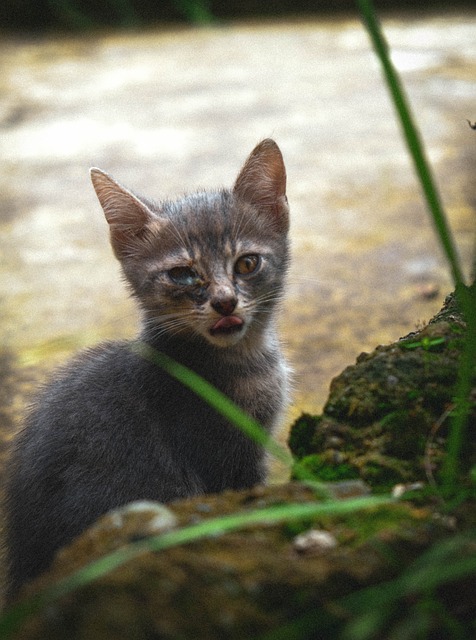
171, 96
86, 14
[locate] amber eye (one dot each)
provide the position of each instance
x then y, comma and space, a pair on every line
247, 264
184, 276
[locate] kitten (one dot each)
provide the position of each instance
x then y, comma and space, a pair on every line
207, 272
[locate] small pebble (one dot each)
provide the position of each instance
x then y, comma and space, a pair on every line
314, 541
142, 517
400, 489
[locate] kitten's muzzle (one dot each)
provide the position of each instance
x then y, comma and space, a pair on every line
224, 302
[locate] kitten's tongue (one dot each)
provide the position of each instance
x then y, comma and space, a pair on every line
227, 323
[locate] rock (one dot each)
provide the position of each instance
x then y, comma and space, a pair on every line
127, 524
386, 419
238, 584
314, 541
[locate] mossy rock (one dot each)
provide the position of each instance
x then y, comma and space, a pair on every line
386, 419
262, 579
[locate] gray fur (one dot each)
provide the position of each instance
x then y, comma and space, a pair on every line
111, 427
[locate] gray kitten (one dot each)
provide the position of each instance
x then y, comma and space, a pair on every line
207, 271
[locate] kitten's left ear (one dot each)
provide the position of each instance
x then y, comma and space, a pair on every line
127, 216
262, 182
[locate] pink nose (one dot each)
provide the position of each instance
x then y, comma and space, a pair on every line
225, 306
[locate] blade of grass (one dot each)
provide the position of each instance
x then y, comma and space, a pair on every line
446, 562
370, 610
232, 412
215, 398
466, 295
12, 619
466, 371
412, 139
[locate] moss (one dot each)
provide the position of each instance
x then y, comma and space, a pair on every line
302, 434
326, 471
381, 476
404, 433
238, 584
387, 416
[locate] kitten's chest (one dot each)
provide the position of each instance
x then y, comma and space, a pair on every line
257, 384
259, 388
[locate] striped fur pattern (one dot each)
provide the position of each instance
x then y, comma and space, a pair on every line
208, 273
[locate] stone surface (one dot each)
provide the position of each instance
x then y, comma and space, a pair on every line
256, 580
386, 420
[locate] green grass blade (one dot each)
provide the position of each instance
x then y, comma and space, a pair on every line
215, 398
466, 374
446, 562
12, 619
228, 409
466, 295
412, 139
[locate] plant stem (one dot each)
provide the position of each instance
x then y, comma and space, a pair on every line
412, 139
216, 399
459, 423
466, 295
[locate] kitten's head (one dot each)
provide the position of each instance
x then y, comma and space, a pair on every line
210, 266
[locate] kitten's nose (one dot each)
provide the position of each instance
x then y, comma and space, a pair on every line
225, 306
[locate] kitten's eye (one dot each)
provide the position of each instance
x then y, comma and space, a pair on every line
185, 276
247, 264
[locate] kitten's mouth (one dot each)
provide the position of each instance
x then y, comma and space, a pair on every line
227, 325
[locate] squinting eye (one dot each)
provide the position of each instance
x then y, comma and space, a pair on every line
247, 264
185, 276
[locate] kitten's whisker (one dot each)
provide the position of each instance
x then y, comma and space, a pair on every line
169, 323
239, 228
169, 316
171, 320
269, 296
171, 328
296, 280
177, 234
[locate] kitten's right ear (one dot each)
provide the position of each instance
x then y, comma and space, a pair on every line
126, 215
